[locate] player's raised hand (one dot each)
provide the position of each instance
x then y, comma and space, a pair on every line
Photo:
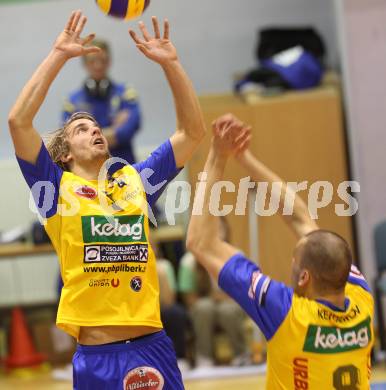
156, 48
230, 135
70, 43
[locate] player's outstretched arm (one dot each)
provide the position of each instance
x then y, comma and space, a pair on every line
299, 221
190, 124
203, 237
69, 44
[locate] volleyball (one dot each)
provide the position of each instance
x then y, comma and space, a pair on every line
123, 9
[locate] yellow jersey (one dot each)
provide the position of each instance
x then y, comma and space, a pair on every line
310, 343
101, 235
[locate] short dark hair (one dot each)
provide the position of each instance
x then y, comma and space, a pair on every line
328, 258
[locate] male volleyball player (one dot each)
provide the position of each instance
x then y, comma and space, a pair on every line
110, 298
319, 332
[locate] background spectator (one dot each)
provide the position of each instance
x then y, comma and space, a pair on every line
208, 305
114, 106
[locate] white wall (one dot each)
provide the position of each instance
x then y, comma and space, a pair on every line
363, 39
215, 39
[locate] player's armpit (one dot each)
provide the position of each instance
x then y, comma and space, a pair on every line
212, 257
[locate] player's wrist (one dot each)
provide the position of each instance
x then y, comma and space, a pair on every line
171, 64
219, 156
58, 55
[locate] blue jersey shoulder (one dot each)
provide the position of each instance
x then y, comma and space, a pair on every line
266, 301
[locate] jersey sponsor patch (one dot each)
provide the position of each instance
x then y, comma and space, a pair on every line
300, 373
147, 378
106, 269
137, 253
86, 192
328, 339
124, 228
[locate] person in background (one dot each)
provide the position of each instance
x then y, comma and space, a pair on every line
173, 315
208, 305
114, 105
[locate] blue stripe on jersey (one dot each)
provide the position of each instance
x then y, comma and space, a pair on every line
266, 301
357, 278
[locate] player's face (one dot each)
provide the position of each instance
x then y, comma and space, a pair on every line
97, 65
87, 142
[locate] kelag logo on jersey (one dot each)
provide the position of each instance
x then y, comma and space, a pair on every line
125, 228
328, 339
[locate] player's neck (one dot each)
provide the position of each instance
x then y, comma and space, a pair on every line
337, 300
89, 171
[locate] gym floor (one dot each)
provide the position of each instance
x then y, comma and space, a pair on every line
45, 382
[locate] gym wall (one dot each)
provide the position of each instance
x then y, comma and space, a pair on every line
215, 39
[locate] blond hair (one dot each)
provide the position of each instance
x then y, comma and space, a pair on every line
57, 141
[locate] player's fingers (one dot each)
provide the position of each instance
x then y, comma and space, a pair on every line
227, 118
245, 145
166, 29
244, 132
143, 49
157, 33
70, 20
216, 129
80, 26
145, 33
75, 21
241, 139
135, 38
88, 39
92, 49
227, 131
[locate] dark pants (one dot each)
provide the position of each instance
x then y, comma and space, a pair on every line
175, 321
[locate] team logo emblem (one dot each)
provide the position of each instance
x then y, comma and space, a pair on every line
147, 378
143, 254
136, 283
114, 283
92, 254
86, 192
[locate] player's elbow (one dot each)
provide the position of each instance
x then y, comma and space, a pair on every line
13, 122
16, 123
195, 131
195, 244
